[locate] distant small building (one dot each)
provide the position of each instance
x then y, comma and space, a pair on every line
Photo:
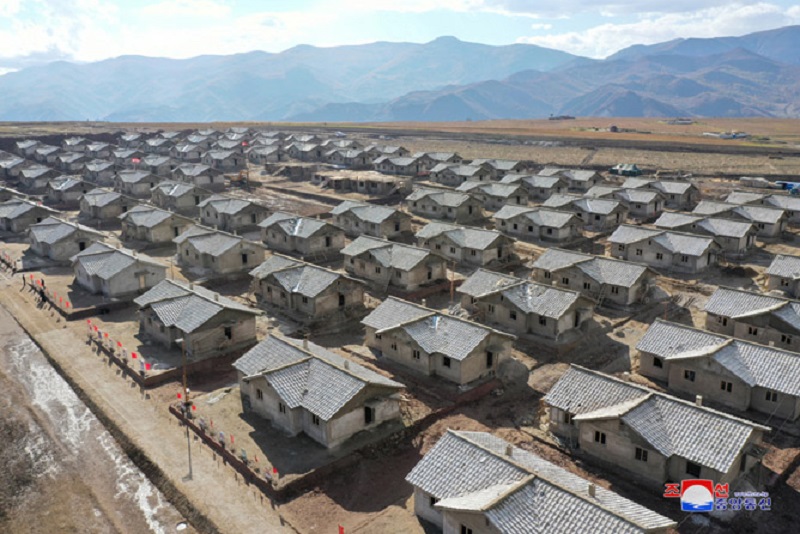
685, 253
220, 253
444, 204
105, 205
200, 176
307, 237
493, 196
784, 274
59, 240
135, 183
361, 218
17, 215
231, 214
302, 387
34, 178
538, 224
152, 225
389, 264
433, 344
179, 197
66, 191
538, 187
736, 237
464, 244
597, 214
625, 169
305, 290
114, 272
207, 325
580, 180
224, 160
769, 222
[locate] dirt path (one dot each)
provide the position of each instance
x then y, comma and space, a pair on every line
214, 491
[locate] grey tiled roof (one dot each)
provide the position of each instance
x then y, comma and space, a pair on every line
136, 177
228, 205
493, 189
637, 195
540, 299
580, 391
18, 207
671, 219
104, 261
602, 269
719, 227
313, 377
554, 259
744, 197
760, 214
174, 189
560, 200
675, 242
710, 207
388, 253
785, 202
392, 312
635, 183
600, 206
145, 216
626, 234
294, 225
730, 302
598, 191
443, 198
65, 183
522, 493
366, 212
463, 236
667, 340
52, 230
672, 188
296, 276
451, 337
785, 266
208, 241
482, 282
191, 169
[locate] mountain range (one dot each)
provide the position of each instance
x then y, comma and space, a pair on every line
443, 80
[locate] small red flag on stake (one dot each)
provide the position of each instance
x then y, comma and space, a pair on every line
119, 343
95, 328
67, 304
147, 367
231, 438
89, 321
274, 470
31, 277
133, 355
179, 395
341, 529
61, 300
194, 408
105, 334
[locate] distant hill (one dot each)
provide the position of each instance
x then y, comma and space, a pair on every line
444, 80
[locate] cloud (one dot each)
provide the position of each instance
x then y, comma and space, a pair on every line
541, 26
187, 8
605, 39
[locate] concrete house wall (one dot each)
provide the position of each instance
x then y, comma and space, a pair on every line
427, 272
246, 219
787, 285
575, 279
394, 226
327, 241
227, 262
467, 212
443, 246
654, 255
522, 228
755, 328
325, 303
64, 249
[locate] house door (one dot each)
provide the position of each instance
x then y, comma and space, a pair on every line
327, 241
499, 252
369, 415
142, 282
82, 245
244, 259
341, 300
577, 319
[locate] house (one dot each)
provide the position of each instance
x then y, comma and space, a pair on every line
302, 387
223, 144
7, 194
769, 222
428, 160
538, 187
179, 197
34, 178
59, 240
388, 264
200, 176
152, 225
501, 167
474, 482
186, 152
597, 214
466, 244
304, 236
665, 249
66, 191
642, 204
677, 195
261, 155
407, 166
577, 179
760, 318
305, 151
602, 279
135, 183
74, 143
784, 274
455, 175
361, 218
736, 237
157, 164
444, 204
72, 162
100, 171
205, 324
10, 167
46, 154
18, 214
231, 214
98, 150
433, 344
218, 252
104, 205
494, 195
125, 156
538, 224
650, 435
130, 140
305, 290
365, 182
524, 307
158, 145
789, 204
115, 272
385, 150
726, 371
26, 147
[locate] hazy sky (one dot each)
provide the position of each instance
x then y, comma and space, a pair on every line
32, 31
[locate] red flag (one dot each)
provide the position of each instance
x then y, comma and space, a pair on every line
147, 367
89, 321
244, 143
55, 294
31, 277
133, 355
95, 328
341, 529
119, 343
274, 470
105, 334
231, 438
179, 395
135, 160
61, 300
67, 304
194, 408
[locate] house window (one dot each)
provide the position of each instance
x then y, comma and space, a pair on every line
784, 282
281, 407
244, 259
569, 419
658, 362
394, 345
615, 290
693, 469
599, 437
377, 270
473, 252
684, 259
378, 336
549, 231
638, 252
543, 320
432, 501
446, 361
452, 250
641, 454
398, 274
259, 394
659, 256
565, 281
547, 274
438, 247
722, 320
752, 330
369, 415
465, 530
726, 386
512, 315
415, 354
515, 226
587, 285
490, 308
352, 261
688, 375
772, 396
621, 248
305, 300
315, 419
396, 227
786, 339
489, 359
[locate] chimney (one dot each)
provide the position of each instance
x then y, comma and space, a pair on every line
592, 490
698, 400
191, 287
305, 343
509, 450
216, 297
424, 303
347, 364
